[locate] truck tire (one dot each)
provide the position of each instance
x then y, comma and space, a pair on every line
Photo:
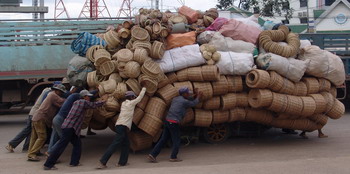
217, 133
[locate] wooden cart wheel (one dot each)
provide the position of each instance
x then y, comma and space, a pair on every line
217, 133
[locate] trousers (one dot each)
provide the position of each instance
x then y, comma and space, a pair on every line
23, 134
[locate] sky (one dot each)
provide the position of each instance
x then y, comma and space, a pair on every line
74, 7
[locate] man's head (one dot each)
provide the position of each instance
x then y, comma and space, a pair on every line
65, 82
85, 94
59, 89
185, 92
130, 95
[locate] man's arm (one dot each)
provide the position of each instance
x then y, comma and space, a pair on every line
139, 98
93, 105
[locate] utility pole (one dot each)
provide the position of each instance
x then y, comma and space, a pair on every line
307, 16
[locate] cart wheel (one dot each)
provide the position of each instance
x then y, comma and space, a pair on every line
216, 133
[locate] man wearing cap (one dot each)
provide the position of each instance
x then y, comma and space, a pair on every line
177, 111
122, 126
42, 118
71, 128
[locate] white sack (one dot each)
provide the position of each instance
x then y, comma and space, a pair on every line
232, 63
222, 43
249, 21
304, 43
205, 37
181, 58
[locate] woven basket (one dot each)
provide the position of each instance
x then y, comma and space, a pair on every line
188, 118
101, 56
143, 103
156, 28
309, 106
127, 24
138, 115
329, 100
242, 99
120, 91
301, 124
220, 116
107, 68
112, 105
259, 116
92, 79
287, 124
178, 19
258, 79
259, 98
325, 85
337, 110
194, 74
150, 84
220, 87
112, 39
321, 104
211, 104
157, 50
95, 125
164, 32
139, 33
202, 118
90, 52
111, 122
140, 55
132, 69
150, 124
312, 85
288, 87
172, 77
210, 73
283, 116
167, 93
116, 77
228, 101
109, 86
295, 105
151, 69
101, 114
124, 55
279, 102
124, 33
142, 44
300, 89
205, 88
182, 75
235, 83
319, 119
237, 114
140, 141
156, 107
276, 81
179, 85
133, 85
163, 81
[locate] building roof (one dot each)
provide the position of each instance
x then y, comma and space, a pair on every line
330, 9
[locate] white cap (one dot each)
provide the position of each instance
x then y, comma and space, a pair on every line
85, 92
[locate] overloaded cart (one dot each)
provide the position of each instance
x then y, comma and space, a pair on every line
267, 78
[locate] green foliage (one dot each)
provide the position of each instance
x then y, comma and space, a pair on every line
223, 4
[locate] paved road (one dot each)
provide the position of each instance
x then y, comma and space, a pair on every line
272, 153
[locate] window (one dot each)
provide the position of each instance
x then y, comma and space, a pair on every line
303, 3
303, 20
329, 2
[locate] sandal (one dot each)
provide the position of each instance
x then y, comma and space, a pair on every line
9, 148
101, 166
33, 159
151, 158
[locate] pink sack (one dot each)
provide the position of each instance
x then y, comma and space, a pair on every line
191, 15
217, 24
237, 30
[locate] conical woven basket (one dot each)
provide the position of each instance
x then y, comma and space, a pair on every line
157, 50
112, 39
329, 100
139, 33
220, 87
120, 91
132, 69
124, 33
179, 85
188, 118
259, 116
205, 88
319, 119
325, 85
321, 104
194, 74
151, 69
235, 83
140, 141
143, 103
288, 87
237, 114
337, 110
279, 102
312, 85
276, 81
107, 68
90, 52
133, 85
300, 89
156, 107
138, 115
220, 116
150, 84
258, 79
295, 105
210, 73
242, 99
202, 118
150, 124
309, 106
259, 98
167, 93
124, 55
182, 75
211, 104
140, 55
228, 101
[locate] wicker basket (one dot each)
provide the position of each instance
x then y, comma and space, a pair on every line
124, 33
164, 32
295, 105
95, 125
182, 75
321, 104
337, 110
140, 141
228, 101
220, 116
150, 124
92, 79
242, 99
157, 50
259, 116
140, 55
124, 55
139, 33
143, 103
319, 119
172, 77
210, 73
312, 85
112, 105
333, 91
179, 85
259, 98
202, 118
133, 85
132, 69
127, 24
283, 116
237, 114
109, 86
163, 81
220, 87
194, 74
300, 89
120, 91
142, 44
258, 79
276, 81
112, 39
329, 100
111, 122
235, 83
288, 87
286, 124
156, 107
325, 85
101, 56
301, 124
90, 52
107, 68
211, 104
188, 118
279, 102
167, 93
150, 84
151, 69
138, 115
116, 77
205, 88
309, 106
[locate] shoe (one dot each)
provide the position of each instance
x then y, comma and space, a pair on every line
33, 159
75, 165
10, 148
52, 168
151, 158
121, 165
175, 160
101, 166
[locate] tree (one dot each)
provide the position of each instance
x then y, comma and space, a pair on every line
223, 4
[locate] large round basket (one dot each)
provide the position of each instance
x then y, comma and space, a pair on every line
235, 83
150, 124
133, 85
132, 69
210, 73
182, 75
178, 19
109, 85
124, 33
258, 79
320, 101
337, 110
101, 56
151, 69
143, 102
107, 68
202, 118
156, 107
205, 88
140, 55
179, 85
220, 116
288, 87
194, 74
300, 124
90, 52
124, 55
300, 89
120, 91
228, 101
309, 106
142, 44
319, 119
138, 115
140, 141
276, 81
211, 104
112, 39
325, 85
295, 105
157, 50
150, 84
237, 114
259, 98
188, 118
312, 85
279, 102
139, 33
329, 100
220, 87
242, 99
167, 93
259, 116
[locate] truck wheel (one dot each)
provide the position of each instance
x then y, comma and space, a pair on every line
216, 133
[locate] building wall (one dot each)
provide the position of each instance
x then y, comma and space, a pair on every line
329, 22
